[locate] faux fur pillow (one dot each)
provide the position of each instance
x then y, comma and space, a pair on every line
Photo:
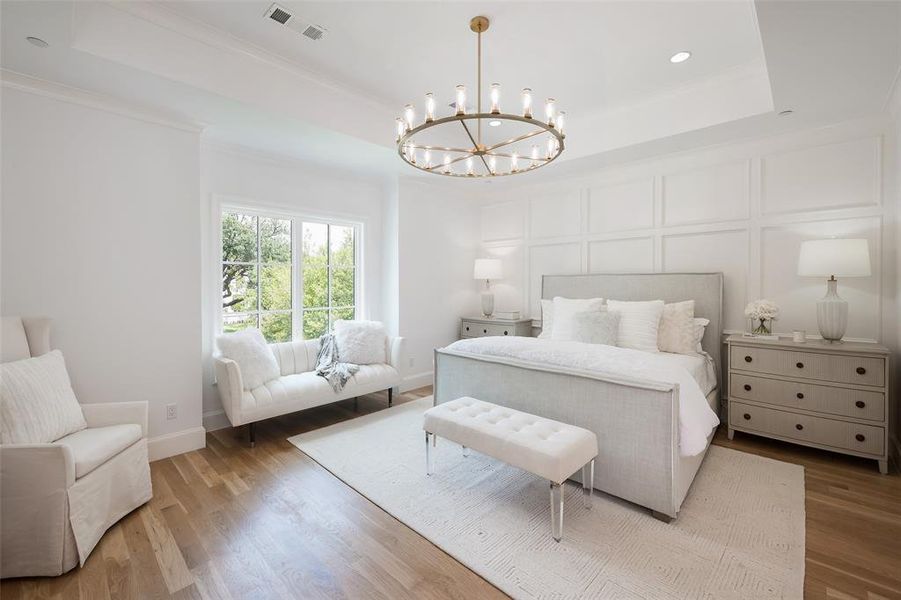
547, 319
677, 328
37, 404
596, 327
361, 342
249, 349
638, 323
564, 311
700, 325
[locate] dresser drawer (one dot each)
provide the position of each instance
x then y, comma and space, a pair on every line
809, 365
476, 329
844, 402
866, 439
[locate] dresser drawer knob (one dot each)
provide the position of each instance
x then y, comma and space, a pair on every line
747, 417
484, 331
860, 404
799, 427
861, 371
800, 365
505, 333
747, 359
467, 328
860, 437
747, 387
800, 396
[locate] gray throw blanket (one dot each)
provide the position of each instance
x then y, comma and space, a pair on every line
328, 366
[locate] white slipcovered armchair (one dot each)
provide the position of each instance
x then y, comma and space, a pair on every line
58, 499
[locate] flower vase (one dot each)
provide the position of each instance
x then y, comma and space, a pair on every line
762, 329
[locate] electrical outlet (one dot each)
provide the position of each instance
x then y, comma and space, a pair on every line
171, 411
412, 360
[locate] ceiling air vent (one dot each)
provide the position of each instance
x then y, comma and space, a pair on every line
280, 14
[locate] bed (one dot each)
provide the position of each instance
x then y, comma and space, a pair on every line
636, 421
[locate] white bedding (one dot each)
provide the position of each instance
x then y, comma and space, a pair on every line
696, 418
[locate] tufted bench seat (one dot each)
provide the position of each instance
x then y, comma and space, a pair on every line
543, 447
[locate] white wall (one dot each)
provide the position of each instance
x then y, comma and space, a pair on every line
437, 244
100, 232
256, 179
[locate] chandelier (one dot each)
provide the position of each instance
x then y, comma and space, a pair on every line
480, 144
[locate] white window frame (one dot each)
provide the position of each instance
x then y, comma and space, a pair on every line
223, 204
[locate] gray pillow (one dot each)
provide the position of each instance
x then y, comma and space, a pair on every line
594, 327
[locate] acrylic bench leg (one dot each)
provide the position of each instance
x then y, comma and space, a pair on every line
557, 511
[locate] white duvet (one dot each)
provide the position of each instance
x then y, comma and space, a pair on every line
620, 365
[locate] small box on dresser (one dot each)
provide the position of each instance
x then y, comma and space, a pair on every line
471, 327
829, 396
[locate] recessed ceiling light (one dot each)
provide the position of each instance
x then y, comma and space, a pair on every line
786, 112
36, 41
494, 123
679, 57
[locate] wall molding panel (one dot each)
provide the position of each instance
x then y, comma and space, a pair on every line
742, 209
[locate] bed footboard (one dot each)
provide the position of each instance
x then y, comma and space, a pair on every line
637, 427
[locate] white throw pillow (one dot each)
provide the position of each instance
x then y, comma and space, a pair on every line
37, 404
638, 323
564, 311
547, 319
596, 327
700, 325
677, 328
249, 349
361, 342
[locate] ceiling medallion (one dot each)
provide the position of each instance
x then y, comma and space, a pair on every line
454, 146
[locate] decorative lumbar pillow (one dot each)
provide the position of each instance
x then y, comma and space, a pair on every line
547, 318
596, 327
361, 342
677, 328
638, 323
700, 325
37, 404
564, 311
249, 349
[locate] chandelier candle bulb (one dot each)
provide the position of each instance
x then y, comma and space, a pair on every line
550, 148
549, 109
409, 115
514, 162
401, 128
428, 159
469, 168
561, 117
534, 153
429, 107
495, 98
447, 160
492, 164
461, 100
527, 103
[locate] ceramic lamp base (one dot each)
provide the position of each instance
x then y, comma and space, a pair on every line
832, 314
487, 304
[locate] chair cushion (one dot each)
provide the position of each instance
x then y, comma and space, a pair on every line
37, 404
94, 446
544, 447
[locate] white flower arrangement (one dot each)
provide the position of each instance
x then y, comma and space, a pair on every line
762, 310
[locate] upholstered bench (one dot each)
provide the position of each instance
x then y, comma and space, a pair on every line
543, 447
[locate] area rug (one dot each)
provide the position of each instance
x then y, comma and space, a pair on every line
740, 533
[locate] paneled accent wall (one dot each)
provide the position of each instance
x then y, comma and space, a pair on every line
742, 209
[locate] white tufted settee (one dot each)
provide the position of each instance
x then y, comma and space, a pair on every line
299, 387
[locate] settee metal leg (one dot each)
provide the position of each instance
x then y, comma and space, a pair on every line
390, 396
251, 432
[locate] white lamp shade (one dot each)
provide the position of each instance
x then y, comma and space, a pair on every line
838, 257
488, 268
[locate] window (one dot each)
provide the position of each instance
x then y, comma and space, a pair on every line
287, 297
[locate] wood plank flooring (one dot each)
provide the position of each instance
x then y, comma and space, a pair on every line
234, 522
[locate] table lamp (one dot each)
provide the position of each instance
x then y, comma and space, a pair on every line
488, 269
833, 258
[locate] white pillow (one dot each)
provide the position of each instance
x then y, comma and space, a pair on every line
638, 323
249, 349
699, 326
547, 318
596, 327
361, 342
677, 328
37, 404
565, 309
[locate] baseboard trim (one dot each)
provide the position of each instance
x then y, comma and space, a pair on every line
214, 420
417, 380
179, 442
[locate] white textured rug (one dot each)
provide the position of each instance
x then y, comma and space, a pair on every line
740, 533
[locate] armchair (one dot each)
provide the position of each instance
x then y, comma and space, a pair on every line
57, 499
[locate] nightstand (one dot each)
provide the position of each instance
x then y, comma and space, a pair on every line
471, 327
829, 396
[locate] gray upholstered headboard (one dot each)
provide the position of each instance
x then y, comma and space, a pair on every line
706, 289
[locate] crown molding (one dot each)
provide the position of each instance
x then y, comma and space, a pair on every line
59, 91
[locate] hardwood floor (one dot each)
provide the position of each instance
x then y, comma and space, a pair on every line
230, 521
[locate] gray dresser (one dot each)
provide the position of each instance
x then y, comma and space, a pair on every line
829, 396
484, 326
